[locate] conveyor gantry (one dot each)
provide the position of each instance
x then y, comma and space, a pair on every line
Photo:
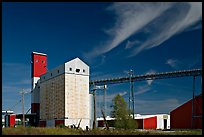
162, 75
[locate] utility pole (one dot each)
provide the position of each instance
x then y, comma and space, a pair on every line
104, 99
131, 93
129, 96
192, 124
94, 95
133, 102
93, 91
23, 92
94, 124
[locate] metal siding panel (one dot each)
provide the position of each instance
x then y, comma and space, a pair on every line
12, 120
160, 122
100, 123
179, 120
43, 123
168, 124
58, 122
50, 123
39, 64
35, 108
150, 123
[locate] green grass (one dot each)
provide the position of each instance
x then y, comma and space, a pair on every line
69, 131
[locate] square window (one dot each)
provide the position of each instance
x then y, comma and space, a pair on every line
83, 70
78, 70
70, 69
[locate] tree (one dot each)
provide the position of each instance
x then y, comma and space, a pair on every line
121, 114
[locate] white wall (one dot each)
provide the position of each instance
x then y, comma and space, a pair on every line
160, 121
35, 93
91, 110
83, 124
77, 98
77, 64
55, 72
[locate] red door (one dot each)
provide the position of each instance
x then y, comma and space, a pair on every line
150, 123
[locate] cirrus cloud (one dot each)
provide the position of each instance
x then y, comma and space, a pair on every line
159, 20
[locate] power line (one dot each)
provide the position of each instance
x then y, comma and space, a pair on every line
14, 105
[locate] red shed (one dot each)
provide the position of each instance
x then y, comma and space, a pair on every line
59, 122
42, 123
10, 120
181, 117
150, 123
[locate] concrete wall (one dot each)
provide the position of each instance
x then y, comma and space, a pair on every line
52, 98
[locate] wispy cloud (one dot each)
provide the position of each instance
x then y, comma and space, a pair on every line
101, 75
177, 64
151, 106
108, 99
142, 89
173, 63
101, 62
110, 96
131, 18
130, 44
15, 76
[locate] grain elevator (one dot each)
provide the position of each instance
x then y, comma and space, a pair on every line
63, 95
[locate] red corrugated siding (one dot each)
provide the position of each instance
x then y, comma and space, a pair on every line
35, 107
150, 123
12, 120
39, 65
42, 123
181, 117
100, 123
58, 122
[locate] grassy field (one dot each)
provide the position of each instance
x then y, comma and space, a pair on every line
68, 131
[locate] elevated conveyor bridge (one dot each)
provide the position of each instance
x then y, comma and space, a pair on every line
162, 75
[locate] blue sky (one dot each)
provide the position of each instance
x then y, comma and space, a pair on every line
111, 38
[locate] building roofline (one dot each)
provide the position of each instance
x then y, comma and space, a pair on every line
191, 99
39, 53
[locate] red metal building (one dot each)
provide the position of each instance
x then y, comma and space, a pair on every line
39, 67
150, 123
10, 120
181, 117
158, 121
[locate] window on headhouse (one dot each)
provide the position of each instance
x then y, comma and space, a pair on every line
43, 61
83, 70
57, 71
36, 60
70, 69
51, 74
77, 70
